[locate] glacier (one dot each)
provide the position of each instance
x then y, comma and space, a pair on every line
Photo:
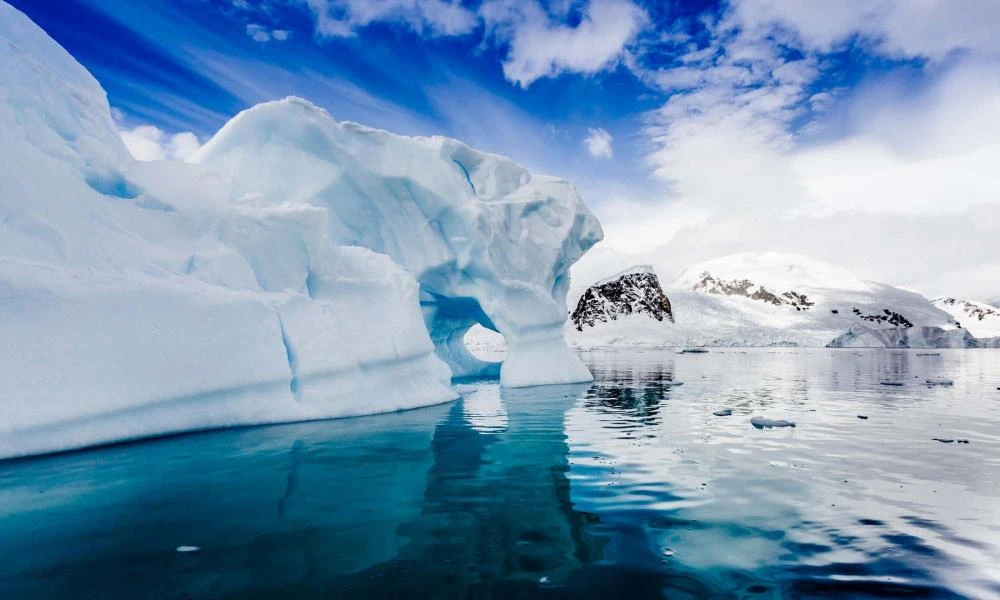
297, 268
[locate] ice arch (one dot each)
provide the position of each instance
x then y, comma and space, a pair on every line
487, 241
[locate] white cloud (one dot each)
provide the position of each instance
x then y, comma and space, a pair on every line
537, 41
902, 187
259, 33
541, 46
340, 18
598, 143
147, 142
929, 28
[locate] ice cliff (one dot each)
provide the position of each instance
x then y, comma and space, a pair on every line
304, 269
908, 337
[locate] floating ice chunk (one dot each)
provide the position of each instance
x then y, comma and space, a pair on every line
724, 412
188, 548
940, 381
765, 423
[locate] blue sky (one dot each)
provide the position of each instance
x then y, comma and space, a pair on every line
189, 65
756, 124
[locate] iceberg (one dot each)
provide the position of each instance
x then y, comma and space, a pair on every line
488, 242
861, 336
298, 268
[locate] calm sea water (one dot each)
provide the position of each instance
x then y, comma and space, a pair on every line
630, 487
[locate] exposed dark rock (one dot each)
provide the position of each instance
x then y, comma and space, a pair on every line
636, 291
978, 312
887, 317
748, 289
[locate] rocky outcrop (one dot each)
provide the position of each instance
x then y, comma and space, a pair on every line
632, 292
888, 317
973, 310
982, 319
709, 284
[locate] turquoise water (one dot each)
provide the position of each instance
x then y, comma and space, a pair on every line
629, 487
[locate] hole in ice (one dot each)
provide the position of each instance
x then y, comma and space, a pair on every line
485, 344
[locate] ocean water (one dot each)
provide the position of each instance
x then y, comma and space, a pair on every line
629, 487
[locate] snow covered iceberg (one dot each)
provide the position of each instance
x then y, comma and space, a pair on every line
489, 242
146, 298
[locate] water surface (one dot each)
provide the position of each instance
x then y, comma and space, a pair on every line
629, 487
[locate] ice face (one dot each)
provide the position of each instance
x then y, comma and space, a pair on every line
147, 298
488, 242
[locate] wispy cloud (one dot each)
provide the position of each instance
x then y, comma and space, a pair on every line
536, 39
901, 171
342, 18
598, 143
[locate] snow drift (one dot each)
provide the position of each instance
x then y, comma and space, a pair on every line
294, 274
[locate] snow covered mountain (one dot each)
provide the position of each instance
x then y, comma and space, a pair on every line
635, 291
301, 268
981, 319
766, 298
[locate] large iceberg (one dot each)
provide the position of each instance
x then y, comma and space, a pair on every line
304, 269
489, 242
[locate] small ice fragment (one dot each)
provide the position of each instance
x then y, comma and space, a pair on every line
894, 383
669, 552
188, 548
543, 580
725, 412
863, 417
944, 440
765, 423
940, 381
